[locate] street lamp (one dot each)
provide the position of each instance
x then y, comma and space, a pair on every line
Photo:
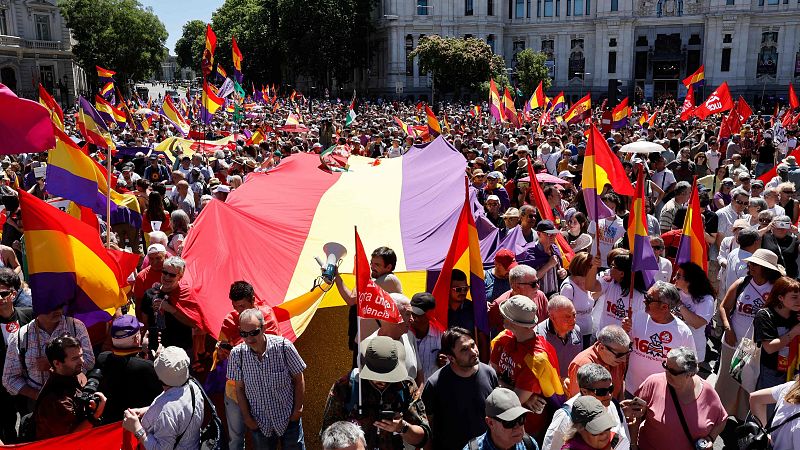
583, 80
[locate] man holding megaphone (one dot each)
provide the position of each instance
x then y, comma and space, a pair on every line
382, 263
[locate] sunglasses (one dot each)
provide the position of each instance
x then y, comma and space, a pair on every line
4, 294
658, 247
621, 354
531, 216
602, 392
759, 221
532, 284
788, 192
168, 273
246, 334
672, 372
739, 202
509, 424
461, 289
648, 299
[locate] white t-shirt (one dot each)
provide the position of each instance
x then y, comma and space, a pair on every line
583, 303
737, 267
651, 343
608, 232
664, 179
664, 270
704, 309
748, 303
788, 435
612, 306
712, 159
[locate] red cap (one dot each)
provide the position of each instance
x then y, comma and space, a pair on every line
505, 258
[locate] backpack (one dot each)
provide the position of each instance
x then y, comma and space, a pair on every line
210, 426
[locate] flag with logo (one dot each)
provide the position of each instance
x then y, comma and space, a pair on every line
373, 301
719, 101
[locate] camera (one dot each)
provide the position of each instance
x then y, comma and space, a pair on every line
89, 394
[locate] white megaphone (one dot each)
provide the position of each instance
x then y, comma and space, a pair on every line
335, 252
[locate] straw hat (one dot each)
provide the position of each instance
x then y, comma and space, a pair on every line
766, 258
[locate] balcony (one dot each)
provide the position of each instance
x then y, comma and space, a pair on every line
18, 42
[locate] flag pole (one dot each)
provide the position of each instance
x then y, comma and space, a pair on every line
358, 333
108, 198
596, 207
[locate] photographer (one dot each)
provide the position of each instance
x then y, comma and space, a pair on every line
61, 408
390, 414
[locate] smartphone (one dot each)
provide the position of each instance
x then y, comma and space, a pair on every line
388, 415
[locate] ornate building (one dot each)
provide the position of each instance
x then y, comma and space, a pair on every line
650, 45
35, 47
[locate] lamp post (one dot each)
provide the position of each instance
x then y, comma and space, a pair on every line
583, 80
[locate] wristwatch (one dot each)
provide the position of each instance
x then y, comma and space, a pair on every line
405, 428
139, 434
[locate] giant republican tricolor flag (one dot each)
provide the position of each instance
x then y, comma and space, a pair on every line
237, 61
207, 62
422, 192
697, 78
547, 213
373, 301
644, 259
687, 110
464, 255
25, 125
73, 175
581, 110
174, 116
495, 103
509, 110
620, 114
601, 167
56, 113
209, 104
537, 100
434, 129
693, 247
92, 126
68, 264
719, 101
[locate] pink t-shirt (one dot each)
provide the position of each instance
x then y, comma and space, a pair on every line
663, 424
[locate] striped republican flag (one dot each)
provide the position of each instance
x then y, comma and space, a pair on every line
92, 126
601, 167
558, 102
537, 100
111, 115
209, 103
698, 77
434, 129
207, 61
174, 116
547, 213
644, 259
237, 61
495, 103
56, 113
692, 246
620, 114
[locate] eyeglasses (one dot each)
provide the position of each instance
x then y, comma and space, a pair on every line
658, 247
788, 192
648, 299
461, 289
532, 284
167, 273
679, 276
672, 372
246, 334
509, 424
4, 294
739, 202
759, 221
620, 354
602, 392
531, 216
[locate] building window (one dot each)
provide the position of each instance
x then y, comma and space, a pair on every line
529, 9
409, 59
420, 72
576, 59
422, 7
558, 7
588, 6
727, 39
489, 7
612, 62
490, 42
548, 8
468, 7
773, 2
612, 42
3, 23
768, 56
42, 27
729, 2
614, 5
726, 60
569, 7
516, 47
47, 77
520, 9
578, 10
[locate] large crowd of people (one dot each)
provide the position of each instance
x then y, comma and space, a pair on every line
581, 354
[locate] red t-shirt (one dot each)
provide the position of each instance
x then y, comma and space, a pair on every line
531, 365
144, 281
230, 326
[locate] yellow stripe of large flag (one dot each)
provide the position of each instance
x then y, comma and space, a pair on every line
692, 246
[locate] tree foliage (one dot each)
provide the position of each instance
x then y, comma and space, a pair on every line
191, 43
120, 35
531, 70
458, 64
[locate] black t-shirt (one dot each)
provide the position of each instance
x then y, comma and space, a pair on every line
786, 249
128, 382
174, 332
710, 221
768, 325
457, 405
766, 154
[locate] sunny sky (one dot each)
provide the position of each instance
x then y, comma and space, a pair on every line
175, 13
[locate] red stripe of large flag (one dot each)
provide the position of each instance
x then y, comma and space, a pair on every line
693, 247
644, 259
495, 104
794, 359
509, 111
719, 101
793, 102
208, 52
56, 113
434, 129
537, 100
92, 126
601, 167
106, 436
465, 255
698, 76
580, 110
687, 110
237, 61
620, 113
25, 125
540, 202
68, 264
373, 301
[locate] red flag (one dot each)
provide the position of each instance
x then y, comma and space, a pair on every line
787, 118
687, 111
793, 102
719, 101
744, 110
25, 125
540, 201
106, 436
775, 115
373, 301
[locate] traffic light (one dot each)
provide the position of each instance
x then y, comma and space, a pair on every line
615, 94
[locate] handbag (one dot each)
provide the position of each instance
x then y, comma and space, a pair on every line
751, 434
746, 361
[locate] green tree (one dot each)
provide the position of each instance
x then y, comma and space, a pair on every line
457, 64
189, 47
120, 35
531, 70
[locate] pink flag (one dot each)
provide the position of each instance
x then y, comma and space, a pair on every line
24, 124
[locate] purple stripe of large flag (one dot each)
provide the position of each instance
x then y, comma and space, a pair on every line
644, 259
595, 207
62, 289
89, 110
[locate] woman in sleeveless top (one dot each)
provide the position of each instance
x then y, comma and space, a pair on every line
575, 288
743, 299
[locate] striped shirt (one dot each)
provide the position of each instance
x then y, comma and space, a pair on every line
267, 381
427, 350
33, 340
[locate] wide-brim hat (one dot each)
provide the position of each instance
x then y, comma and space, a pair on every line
519, 310
383, 360
583, 242
766, 258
